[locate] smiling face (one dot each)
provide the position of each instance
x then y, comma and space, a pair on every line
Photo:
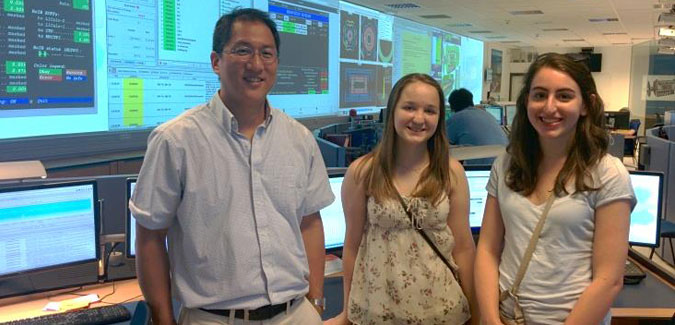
416, 113
554, 105
246, 80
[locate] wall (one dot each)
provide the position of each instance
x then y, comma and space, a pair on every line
613, 81
506, 71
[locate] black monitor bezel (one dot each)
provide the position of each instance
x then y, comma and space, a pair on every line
624, 115
476, 230
97, 226
333, 173
657, 240
127, 222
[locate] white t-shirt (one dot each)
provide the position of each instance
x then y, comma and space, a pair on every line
560, 269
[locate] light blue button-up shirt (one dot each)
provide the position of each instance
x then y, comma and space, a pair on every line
233, 206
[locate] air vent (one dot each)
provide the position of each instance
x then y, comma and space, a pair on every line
555, 29
480, 32
574, 40
526, 12
602, 20
614, 33
435, 16
459, 25
406, 5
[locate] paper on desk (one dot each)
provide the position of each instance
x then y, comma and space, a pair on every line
69, 304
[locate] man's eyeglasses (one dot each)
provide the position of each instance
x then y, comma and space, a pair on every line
246, 53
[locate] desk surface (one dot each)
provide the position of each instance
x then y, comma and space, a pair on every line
31, 305
652, 299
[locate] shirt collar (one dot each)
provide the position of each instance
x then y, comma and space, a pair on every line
230, 123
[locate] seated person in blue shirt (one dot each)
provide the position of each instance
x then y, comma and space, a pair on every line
471, 126
236, 186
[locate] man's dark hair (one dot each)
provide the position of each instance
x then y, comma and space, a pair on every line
223, 30
460, 99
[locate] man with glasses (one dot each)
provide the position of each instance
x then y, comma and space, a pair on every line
237, 186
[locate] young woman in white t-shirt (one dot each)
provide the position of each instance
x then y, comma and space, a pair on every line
558, 146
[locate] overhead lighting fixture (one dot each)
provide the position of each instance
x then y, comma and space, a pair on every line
496, 37
614, 33
526, 12
667, 31
406, 5
480, 32
435, 16
574, 40
459, 25
555, 29
602, 20
509, 42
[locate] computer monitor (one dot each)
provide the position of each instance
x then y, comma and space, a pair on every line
477, 177
510, 113
496, 111
645, 218
617, 120
130, 223
333, 217
49, 237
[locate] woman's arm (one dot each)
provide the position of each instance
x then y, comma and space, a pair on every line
458, 221
486, 272
354, 206
610, 249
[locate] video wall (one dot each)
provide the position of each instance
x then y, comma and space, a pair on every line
83, 66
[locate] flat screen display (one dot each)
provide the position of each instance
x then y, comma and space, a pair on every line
131, 222
644, 220
333, 217
477, 177
48, 226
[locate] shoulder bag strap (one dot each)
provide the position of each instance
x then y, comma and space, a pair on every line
532, 245
424, 235
519, 316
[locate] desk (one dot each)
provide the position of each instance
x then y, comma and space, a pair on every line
651, 299
627, 133
28, 306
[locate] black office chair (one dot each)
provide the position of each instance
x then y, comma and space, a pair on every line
667, 231
630, 144
141, 314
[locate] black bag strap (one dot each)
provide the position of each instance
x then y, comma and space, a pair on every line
424, 235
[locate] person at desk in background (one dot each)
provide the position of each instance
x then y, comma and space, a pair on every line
471, 126
237, 186
557, 158
408, 183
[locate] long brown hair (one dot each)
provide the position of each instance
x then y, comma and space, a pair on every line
588, 145
377, 166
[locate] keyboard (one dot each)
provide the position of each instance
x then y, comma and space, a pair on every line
90, 316
632, 274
